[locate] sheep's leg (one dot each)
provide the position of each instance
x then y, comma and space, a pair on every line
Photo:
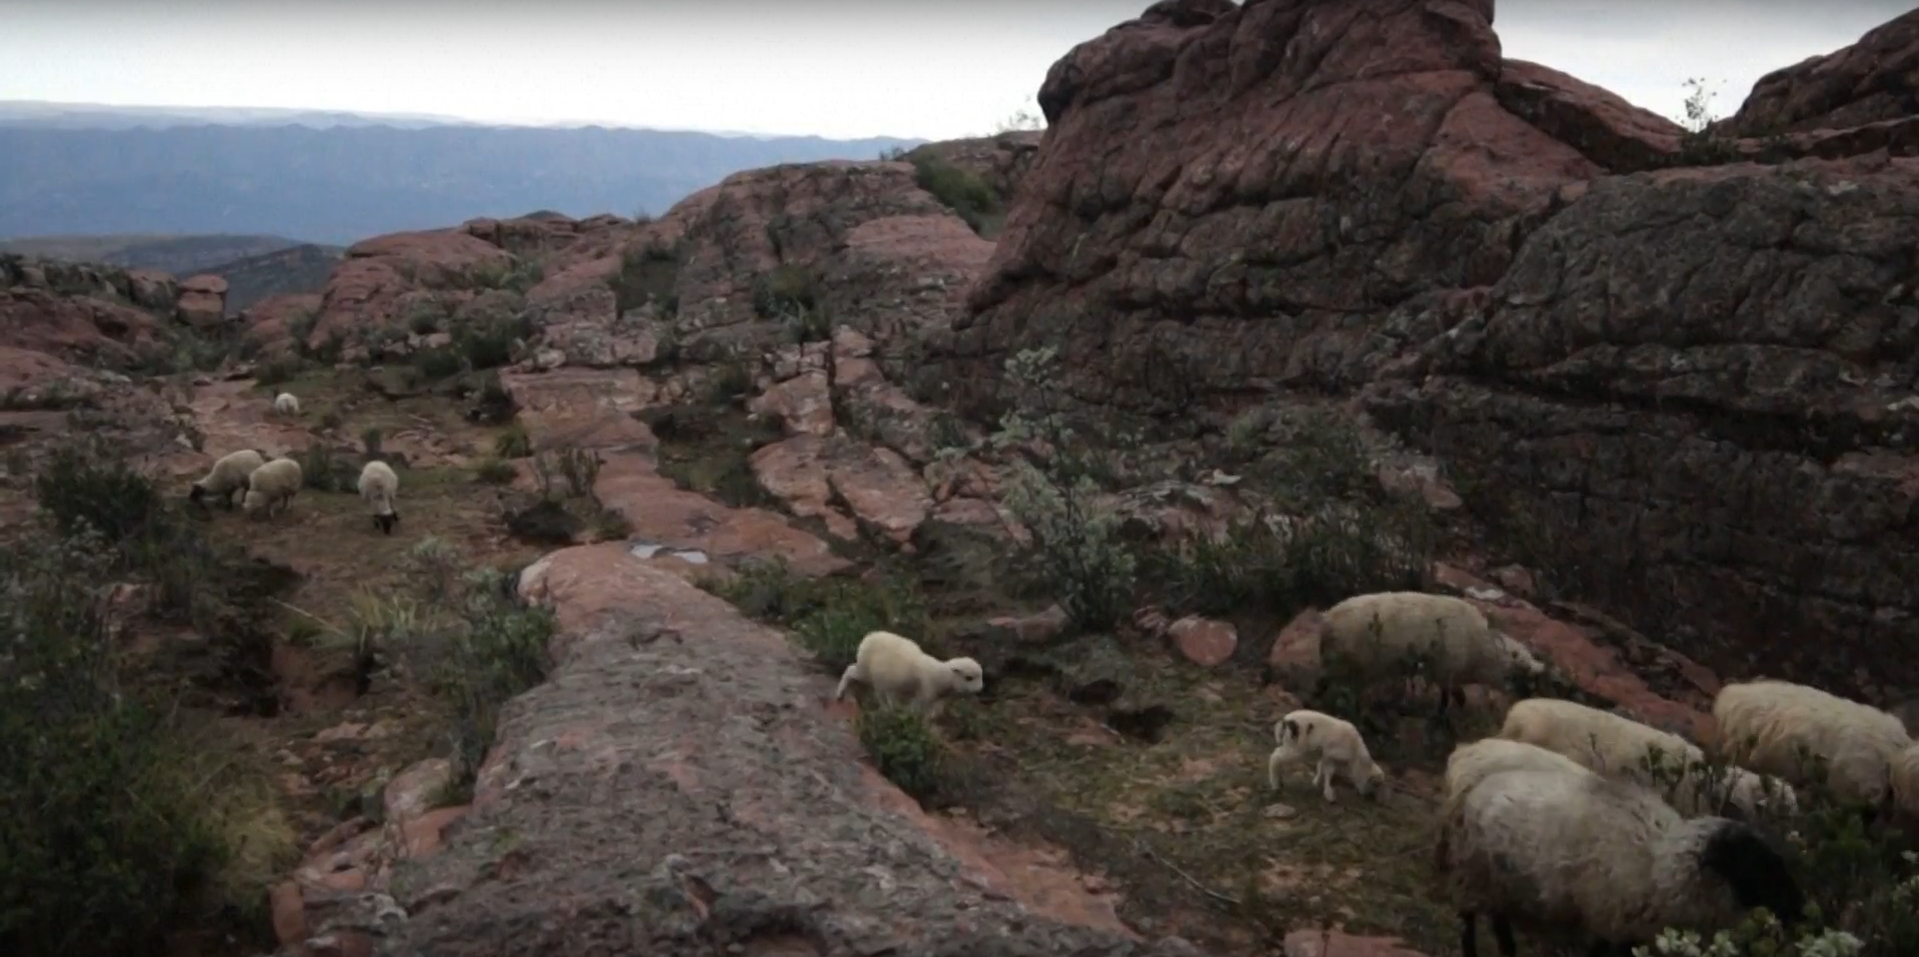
1503, 936
1324, 777
1279, 757
1469, 934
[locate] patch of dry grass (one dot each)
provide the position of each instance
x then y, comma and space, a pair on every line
1189, 821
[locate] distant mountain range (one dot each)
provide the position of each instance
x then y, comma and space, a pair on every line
335, 177
255, 267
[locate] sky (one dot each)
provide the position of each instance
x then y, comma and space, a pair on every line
836, 68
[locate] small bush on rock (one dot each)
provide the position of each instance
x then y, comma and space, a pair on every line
828, 617
497, 650
904, 748
1054, 493
959, 190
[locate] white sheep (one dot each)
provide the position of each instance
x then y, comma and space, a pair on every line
1370, 638
1582, 855
379, 485
1333, 743
1621, 747
274, 483
1471, 763
1764, 725
228, 475
899, 672
286, 403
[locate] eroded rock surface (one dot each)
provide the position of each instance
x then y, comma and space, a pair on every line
679, 786
1684, 389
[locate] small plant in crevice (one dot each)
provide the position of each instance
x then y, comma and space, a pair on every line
788, 289
647, 274
370, 440
319, 468
1055, 492
496, 650
905, 749
278, 369
513, 443
495, 471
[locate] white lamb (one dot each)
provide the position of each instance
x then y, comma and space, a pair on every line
274, 483
1585, 856
1372, 638
286, 404
1621, 747
1333, 743
380, 486
1765, 725
228, 475
899, 672
1471, 763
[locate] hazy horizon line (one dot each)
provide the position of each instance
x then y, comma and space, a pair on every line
450, 119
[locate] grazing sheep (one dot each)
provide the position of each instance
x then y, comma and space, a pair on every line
379, 485
1333, 743
1462, 646
1581, 855
286, 404
899, 672
1619, 747
1763, 725
274, 483
1470, 763
228, 475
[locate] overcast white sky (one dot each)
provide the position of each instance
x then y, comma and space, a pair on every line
843, 68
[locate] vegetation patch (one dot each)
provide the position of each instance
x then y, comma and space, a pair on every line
961, 191
130, 818
648, 274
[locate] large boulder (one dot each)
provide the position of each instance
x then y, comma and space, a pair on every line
1685, 390
680, 788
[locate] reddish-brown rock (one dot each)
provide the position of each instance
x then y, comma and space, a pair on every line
1682, 394
203, 301
1872, 81
678, 786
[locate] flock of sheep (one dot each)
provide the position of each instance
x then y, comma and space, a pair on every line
1571, 822
266, 483
1563, 823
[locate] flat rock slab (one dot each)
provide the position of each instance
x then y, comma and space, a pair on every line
678, 788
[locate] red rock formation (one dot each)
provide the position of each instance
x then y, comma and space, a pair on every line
1687, 390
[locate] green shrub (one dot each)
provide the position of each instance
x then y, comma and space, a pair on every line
646, 274
513, 443
828, 617
278, 369
111, 838
497, 651
438, 362
963, 192
318, 469
489, 344
82, 487
904, 748
495, 471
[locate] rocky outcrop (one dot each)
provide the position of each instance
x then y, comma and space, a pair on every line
1872, 81
632, 806
203, 301
1683, 391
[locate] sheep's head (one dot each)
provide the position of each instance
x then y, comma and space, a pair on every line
1756, 874
386, 522
1372, 782
1518, 657
196, 493
967, 676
